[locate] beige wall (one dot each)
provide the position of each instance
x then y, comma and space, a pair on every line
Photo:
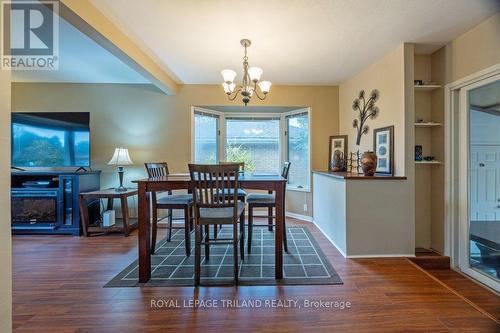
386, 75
5, 238
474, 50
156, 127
393, 77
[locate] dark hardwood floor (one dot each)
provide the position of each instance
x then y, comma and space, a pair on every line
57, 287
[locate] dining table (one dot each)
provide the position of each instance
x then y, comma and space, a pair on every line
182, 181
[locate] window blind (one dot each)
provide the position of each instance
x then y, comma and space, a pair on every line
206, 114
301, 114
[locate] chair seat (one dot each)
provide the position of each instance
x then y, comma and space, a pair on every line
241, 192
256, 198
175, 199
222, 215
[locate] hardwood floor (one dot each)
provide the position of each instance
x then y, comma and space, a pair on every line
470, 290
57, 287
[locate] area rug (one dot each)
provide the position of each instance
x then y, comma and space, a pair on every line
303, 264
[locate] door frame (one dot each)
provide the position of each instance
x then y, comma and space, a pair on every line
456, 226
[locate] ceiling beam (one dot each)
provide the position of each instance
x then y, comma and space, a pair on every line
89, 20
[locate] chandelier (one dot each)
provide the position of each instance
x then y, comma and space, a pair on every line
249, 83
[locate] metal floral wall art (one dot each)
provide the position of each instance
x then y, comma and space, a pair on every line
367, 109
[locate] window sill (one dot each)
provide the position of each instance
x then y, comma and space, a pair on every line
298, 189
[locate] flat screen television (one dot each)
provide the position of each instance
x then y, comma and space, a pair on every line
50, 139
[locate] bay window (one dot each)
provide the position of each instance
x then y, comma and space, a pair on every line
263, 141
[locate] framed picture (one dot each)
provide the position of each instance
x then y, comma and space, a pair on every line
383, 146
338, 144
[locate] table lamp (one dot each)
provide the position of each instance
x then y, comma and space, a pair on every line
120, 158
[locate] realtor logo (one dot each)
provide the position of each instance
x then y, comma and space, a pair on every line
30, 35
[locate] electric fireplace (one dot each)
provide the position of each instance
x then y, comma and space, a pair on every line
35, 207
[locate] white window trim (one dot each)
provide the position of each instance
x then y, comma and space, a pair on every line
283, 151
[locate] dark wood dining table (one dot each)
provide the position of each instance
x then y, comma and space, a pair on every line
274, 183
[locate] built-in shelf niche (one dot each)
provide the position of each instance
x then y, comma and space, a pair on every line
428, 123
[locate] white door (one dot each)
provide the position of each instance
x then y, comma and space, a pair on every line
479, 181
485, 182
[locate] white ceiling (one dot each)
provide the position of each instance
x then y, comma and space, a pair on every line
295, 42
81, 60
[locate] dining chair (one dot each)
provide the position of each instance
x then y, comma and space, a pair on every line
216, 203
263, 200
241, 192
170, 201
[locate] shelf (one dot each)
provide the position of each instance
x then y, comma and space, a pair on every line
428, 162
428, 124
117, 227
427, 87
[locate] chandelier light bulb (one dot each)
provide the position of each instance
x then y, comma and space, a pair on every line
255, 73
228, 75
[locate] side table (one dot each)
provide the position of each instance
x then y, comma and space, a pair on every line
127, 224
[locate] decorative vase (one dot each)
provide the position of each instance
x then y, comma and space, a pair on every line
369, 163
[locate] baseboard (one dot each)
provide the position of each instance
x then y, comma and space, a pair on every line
299, 216
329, 239
304, 218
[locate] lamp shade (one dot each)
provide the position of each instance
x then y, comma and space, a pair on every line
229, 88
255, 73
265, 86
120, 157
228, 75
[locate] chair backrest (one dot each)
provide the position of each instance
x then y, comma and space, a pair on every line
157, 169
286, 169
241, 164
212, 184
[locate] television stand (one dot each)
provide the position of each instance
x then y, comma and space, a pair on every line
46, 202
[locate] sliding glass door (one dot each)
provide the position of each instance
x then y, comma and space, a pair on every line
480, 218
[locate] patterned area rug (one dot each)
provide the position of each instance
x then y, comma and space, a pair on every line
304, 263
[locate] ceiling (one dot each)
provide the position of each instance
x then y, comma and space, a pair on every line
295, 42
81, 60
